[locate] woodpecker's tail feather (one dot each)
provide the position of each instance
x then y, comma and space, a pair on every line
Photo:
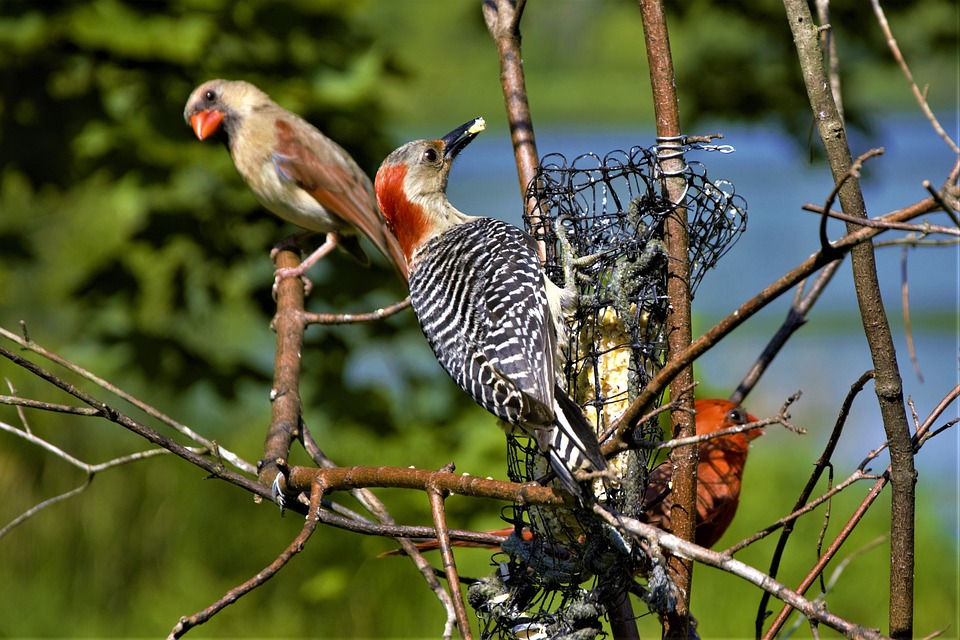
572, 444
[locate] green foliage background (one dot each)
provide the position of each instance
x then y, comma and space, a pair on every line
134, 250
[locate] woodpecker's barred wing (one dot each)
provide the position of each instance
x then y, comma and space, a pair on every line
478, 292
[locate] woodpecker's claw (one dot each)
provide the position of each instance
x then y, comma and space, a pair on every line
570, 261
277, 489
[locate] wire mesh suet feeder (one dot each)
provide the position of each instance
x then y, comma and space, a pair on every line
554, 583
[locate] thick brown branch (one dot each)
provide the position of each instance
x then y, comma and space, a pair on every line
285, 394
678, 324
888, 384
347, 478
503, 22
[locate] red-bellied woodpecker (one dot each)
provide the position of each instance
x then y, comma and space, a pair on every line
485, 306
294, 171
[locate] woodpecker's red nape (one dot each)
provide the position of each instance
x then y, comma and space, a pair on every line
407, 221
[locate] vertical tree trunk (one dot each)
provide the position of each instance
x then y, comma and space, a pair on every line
682, 459
888, 386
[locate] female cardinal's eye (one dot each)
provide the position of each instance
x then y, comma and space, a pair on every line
430, 155
210, 95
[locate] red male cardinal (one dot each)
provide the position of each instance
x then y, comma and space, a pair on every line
294, 171
718, 474
718, 478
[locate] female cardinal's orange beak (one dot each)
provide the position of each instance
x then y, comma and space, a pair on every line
206, 123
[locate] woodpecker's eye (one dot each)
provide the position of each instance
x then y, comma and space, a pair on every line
430, 155
210, 96
737, 416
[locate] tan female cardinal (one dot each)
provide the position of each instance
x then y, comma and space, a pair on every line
294, 171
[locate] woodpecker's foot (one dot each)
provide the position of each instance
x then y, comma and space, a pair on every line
277, 489
589, 476
570, 261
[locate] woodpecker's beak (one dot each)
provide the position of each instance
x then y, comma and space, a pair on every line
460, 137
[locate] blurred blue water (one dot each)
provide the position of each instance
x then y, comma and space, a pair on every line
775, 175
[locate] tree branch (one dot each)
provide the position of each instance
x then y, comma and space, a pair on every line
678, 323
285, 394
888, 385
503, 23
641, 531
26, 343
631, 417
921, 100
295, 547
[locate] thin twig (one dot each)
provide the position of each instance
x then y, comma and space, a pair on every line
807, 491
216, 469
151, 411
905, 299
856, 476
853, 172
921, 99
20, 412
704, 437
830, 553
951, 210
436, 494
49, 502
796, 318
924, 228
917, 439
48, 406
830, 52
629, 420
835, 577
353, 318
295, 547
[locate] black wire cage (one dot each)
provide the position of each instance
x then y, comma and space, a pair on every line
600, 221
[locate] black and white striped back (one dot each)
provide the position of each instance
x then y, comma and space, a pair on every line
479, 292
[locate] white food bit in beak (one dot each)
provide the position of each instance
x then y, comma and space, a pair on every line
478, 125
